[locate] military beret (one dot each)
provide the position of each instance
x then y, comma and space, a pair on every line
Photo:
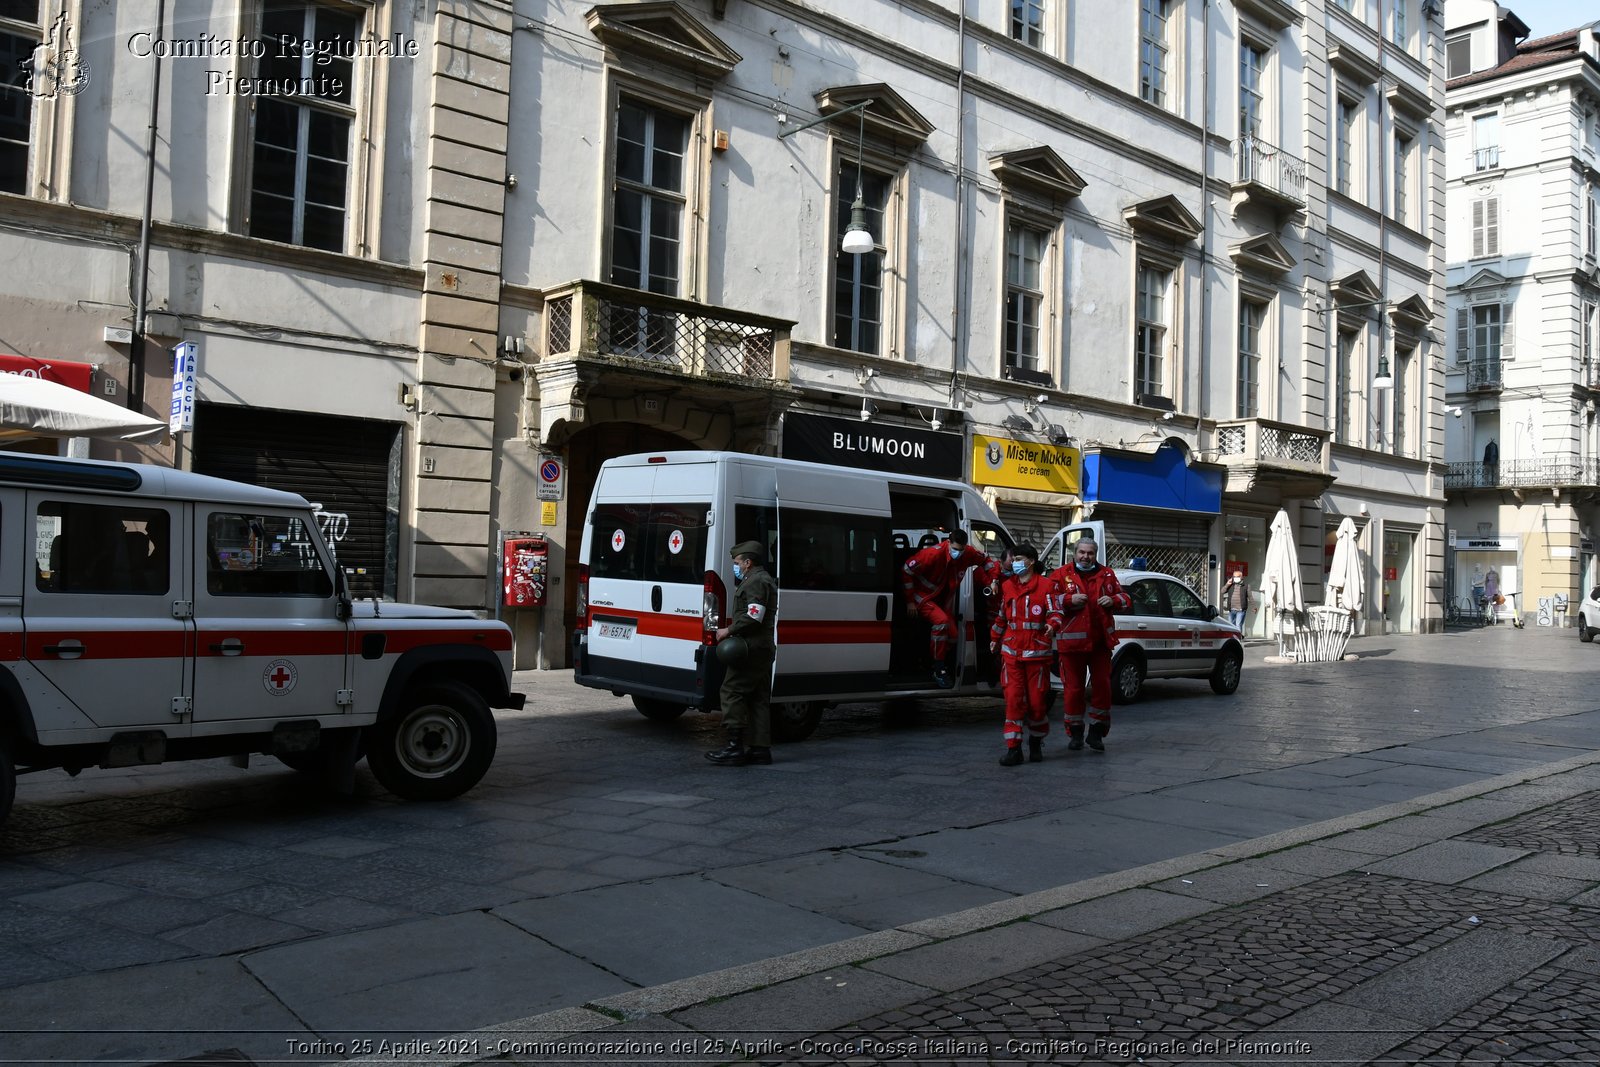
752, 549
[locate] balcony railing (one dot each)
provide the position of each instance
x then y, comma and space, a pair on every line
1522, 474
1484, 374
1486, 158
664, 333
1261, 164
1277, 443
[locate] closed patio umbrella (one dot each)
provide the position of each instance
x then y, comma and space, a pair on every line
1281, 595
1345, 591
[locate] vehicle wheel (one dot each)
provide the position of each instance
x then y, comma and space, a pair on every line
659, 710
1225, 675
1127, 678
796, 720
8, 779
1584, 633
437, 746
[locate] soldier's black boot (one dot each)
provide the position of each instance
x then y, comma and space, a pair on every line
1074, 738
1012, 758
1035, 750
733, 754
1096, 732
758, 756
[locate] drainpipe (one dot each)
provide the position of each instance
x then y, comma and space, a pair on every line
141, 291
958, 348
1205, 225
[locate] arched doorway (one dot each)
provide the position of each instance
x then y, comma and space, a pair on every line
587, 449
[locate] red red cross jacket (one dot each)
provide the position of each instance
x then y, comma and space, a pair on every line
1028, 618
1090, 626
931, 573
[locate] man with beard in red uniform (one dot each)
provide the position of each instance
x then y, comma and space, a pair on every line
1023, 633
931, 578
1088, 595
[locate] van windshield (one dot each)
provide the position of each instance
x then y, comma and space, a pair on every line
649, 542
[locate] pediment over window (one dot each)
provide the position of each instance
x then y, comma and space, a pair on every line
1412, 314
1165, 216
1357, 288
1485, 279
1275, 13
1353, 63
664, 32
888, 117
1037, 170
1262, 255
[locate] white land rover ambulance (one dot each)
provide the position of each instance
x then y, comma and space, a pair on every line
149, 614
656, 579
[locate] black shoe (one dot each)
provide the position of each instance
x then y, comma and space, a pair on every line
943, 679
1012, 758
1035, 750
1075, 739
733, 754
1094, 736
754, 756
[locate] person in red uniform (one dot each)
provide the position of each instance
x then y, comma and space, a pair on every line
1088, 594
1024, 634
931, 578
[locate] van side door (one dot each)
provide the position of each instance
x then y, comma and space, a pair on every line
836, 585
106, 607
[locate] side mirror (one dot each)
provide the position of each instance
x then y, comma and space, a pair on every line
1211, 613
341, 591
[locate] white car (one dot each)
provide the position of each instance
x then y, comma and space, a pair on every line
1171, 633
1589, 616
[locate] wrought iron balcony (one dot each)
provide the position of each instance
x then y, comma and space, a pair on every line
1259, 453
1523, 474
663, 333
1483, 375
1267, 174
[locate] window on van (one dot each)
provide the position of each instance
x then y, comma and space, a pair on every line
991, 539
660, 542
95, 548
921, 521
751, 522
838, 553
263, 555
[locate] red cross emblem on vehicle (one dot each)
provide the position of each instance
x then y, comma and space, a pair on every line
675, 542
618, 539
279, 677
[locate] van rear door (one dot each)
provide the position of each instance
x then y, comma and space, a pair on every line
836, 582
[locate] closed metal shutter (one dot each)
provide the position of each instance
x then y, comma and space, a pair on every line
348, 466
1176, 545
1035, 523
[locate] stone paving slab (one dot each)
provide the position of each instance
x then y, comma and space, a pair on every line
1233, 883
961, 961
1126, 914
1431, 990
1448, 861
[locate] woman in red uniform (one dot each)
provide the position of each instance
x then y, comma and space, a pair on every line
1023, 631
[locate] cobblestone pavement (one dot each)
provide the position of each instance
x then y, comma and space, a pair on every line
602, 860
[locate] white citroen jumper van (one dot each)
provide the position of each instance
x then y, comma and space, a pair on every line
656, 577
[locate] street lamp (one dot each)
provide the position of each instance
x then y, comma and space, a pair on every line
1383, 380
857, 239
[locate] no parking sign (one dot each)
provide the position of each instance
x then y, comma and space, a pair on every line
551, 473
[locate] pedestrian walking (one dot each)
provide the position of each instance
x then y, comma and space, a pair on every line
1236, 598
931, 578
1024, 634
746, 647
1491, 597
1088, 595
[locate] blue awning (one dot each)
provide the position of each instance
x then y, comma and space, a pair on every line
1163, 480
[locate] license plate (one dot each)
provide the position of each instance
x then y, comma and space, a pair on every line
617, 631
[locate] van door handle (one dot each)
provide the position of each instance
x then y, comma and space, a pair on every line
231, 646
72, 648
1144, 626
655, 598
883, 608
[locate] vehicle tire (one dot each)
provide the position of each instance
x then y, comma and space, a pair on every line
8, 779
659, 710
1127, 678
795, 720
437, 746
1584, 633
1225, 675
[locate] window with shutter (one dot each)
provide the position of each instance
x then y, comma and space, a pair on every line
1463, 334
1491, 226
1507, 349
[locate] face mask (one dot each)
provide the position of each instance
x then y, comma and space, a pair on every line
955, 553
1086, 568
738, 572
1018, 567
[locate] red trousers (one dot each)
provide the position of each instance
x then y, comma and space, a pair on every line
941, 628
1026, 683
1097, 663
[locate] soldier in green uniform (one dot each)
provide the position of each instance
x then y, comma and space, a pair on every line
747, 685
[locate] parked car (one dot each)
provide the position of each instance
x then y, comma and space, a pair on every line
152, 614
1170, 632
1589, 616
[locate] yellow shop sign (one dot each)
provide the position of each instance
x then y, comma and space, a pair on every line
1025, 465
